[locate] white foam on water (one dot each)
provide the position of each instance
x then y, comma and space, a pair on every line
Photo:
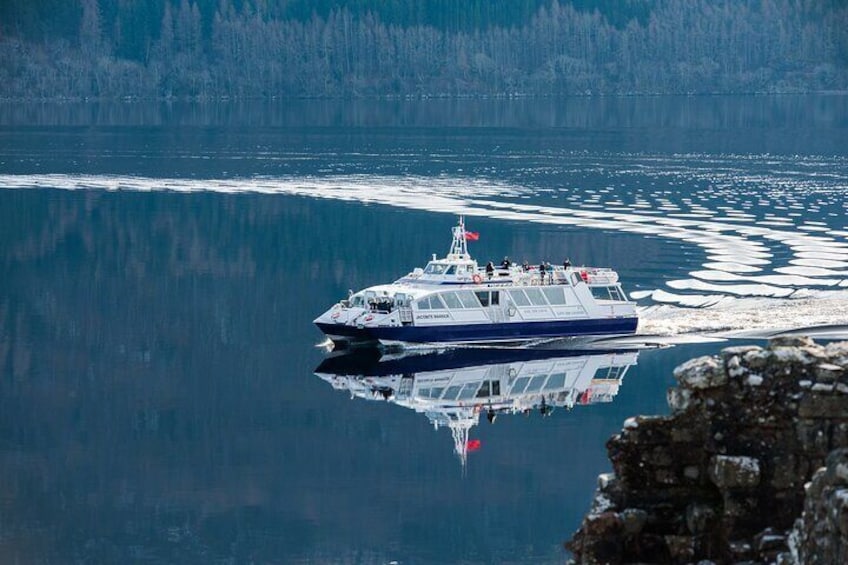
732, 267
746, 257
820, 263
732, 289
764, 317
793, 280
810, 271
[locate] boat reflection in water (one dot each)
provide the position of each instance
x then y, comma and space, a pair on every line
454, 388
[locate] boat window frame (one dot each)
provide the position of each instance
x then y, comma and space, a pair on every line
524, 380
558, 291
554, 382
435, 268
540, 379
469, 391
537, 292
469, 296
437, 299
447, 296
454, 390
513, 292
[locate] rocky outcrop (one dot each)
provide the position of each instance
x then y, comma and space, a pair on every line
723, 477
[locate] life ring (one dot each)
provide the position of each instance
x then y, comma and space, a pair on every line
584, 275
477, 279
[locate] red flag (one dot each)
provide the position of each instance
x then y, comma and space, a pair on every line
472, 235
473, 444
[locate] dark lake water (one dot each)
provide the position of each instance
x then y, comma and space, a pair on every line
161, 266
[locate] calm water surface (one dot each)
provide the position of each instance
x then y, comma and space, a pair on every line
161, 265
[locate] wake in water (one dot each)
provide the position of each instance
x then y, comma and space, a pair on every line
776, 247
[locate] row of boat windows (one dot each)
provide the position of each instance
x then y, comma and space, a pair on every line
519, 385
456, 300
443, 269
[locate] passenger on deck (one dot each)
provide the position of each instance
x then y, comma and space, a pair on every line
490, 269
525, 266
566, 263
505, 264
542, 272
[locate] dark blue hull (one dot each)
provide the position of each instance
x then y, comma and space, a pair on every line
482, 333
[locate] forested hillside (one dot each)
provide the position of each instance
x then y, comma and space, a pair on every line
339, 48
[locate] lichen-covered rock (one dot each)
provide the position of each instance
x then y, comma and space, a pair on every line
728, 472
820, 535
701, 518
633, 520
700, 373
726, 475
679, 399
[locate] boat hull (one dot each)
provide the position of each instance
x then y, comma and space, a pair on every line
479, 333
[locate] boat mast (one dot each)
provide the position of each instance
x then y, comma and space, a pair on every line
459, 246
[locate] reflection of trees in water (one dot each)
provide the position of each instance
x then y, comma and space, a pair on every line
155, 394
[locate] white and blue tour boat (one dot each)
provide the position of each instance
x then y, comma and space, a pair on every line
453, 300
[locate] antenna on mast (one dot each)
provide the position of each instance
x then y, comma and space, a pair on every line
459, 432
459, 245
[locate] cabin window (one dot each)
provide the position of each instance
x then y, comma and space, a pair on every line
535, 296
520, 383
489, 388
423, 304
607, 293
451, 300
452, 392
483, 296
434, 269
519, 297
451, 270
436, 303
575, 279
610, 373
554, 295
536, 383
484, 390
468, 391
436, 392
467, 298
557, 380
496, 298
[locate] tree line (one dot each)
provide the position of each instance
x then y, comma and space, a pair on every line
360, 48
